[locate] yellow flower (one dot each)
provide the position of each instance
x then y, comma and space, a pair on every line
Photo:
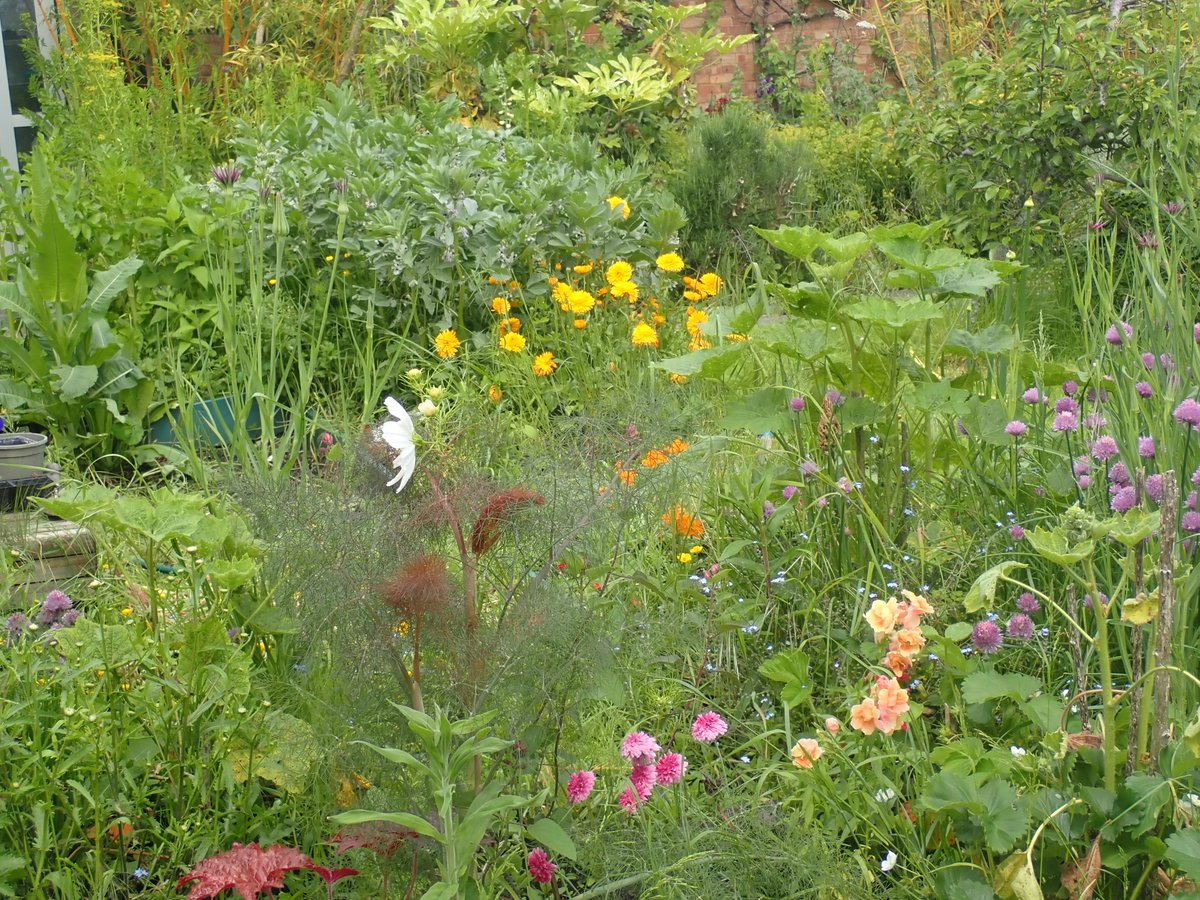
676, 378
645, 336
501, 306
626, 289
685, 558
658, 319
581, 323
512, 342
699, 342
329, 259
507, 325
494, 393
446, 344
670, 262
544, 364
618, 272
127, 611
697, 549
614, 202
562, 294
712, 283
345, 271
271, 281
401, 628
735, 337
695, 318
692, 296
583, 269
514, 285
580, 302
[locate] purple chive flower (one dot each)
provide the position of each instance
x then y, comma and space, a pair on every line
55, 604
808, 468
1188, 413
1020, 627
234, 633
1144, 390
1166, 361
1196, 332
1094, 422
67, 620
768, 509
1146, 447
1154, 488
1191, 521
1070, 387
1082, 466
1171, 207
1085, 482
1104, 447
1027, 603
1066, 421
1103, 597
1017, 533
834, 397
1066, 404
1124, 500
16, 624
226, 176
1196, 477
1148, 361
1118, 334
1190, 503
1147, 241
1118, 474
1033, 395
845, 485
797, 404
1015, 428
986, 637
789, 491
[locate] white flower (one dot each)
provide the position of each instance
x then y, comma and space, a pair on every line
398, 434
885, 795
427, 408
889, 861
841, 13
865, 25
1017, 751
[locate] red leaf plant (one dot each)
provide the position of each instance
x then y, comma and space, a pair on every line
381, 838
494, 513
250, 870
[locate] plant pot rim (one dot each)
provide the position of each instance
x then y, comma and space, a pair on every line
23, 439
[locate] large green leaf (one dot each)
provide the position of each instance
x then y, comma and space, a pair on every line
953, 792
1006, 819
550, 835
764, 410
939, 397
791, 669
980, 687
1053, 545
799, 242
72, 382
1183, 850
983, 592
107, 285
59, 274
993, 339
898, 314
404, 820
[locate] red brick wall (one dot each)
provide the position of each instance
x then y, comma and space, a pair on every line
817, 23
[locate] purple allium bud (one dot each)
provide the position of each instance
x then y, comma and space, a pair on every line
962, 429
797, 404
1085, 482
1033, 395
1190, 502
1144, 390
1020, 627
56, 604
834, 397
1154, 488
1104, 447
1066, 404
1191, 521
1119, 475
1124, 500
1146, 447
1015, 428
1027, 603
1148, 361
1094, 422
1118, 334
1070, 387
1082, 466
1017, 533
789, 491
986, 637
768, 509
1188, 413
226, 175
1065, 422
1166, 361
1097, 225
808, 468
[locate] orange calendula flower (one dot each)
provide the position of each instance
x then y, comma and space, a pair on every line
501, 306
683, 522
446, 344
626, 289
644, 336
670, 262
677, 446
735, 337
658, 319
582, 269
806, 752
580, 302
562, 294
699, 342
494, 393
580, 323
625, 475
544, 364
654, 459
512, 342
676, 378
512, 324
618, 272
695, 318
711, 282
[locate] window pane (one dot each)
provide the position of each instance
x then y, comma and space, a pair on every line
16, 19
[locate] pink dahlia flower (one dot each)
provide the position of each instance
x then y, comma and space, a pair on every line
671, 768
708, 727
540, 866
580, 785
629, 800
639, 747
644, 779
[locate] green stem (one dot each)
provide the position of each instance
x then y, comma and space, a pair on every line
1109, 713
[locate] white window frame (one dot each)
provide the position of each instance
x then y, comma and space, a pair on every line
11, 119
